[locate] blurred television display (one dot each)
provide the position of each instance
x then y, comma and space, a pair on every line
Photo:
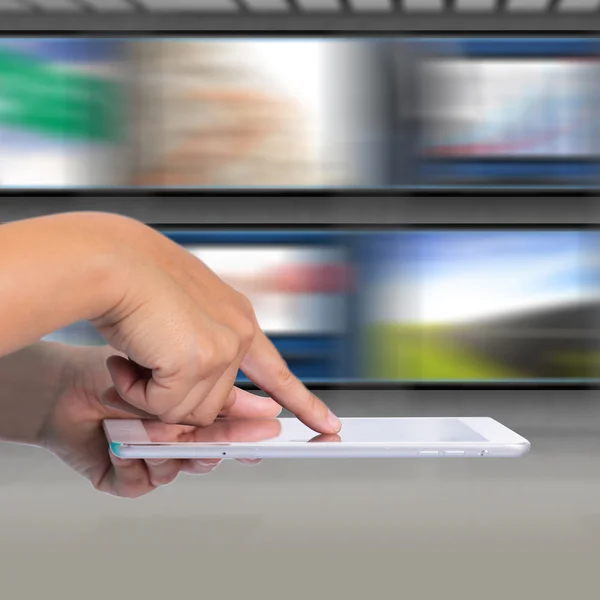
425, 306
61, 113
96, 112
509, 108
298, 284
242, 113
294, 291
218, 113
481, 306
509, 111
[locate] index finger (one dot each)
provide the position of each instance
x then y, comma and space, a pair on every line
265, 367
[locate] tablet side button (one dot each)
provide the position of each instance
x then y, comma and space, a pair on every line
454, 452
428, 453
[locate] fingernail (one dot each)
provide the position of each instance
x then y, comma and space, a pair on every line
156, 462
335, 423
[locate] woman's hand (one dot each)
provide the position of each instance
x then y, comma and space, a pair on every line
72, 424
186, 333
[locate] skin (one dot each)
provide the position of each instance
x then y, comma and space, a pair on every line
177, 333
62, 408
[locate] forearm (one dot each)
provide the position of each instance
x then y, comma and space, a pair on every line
54, 271
30, 381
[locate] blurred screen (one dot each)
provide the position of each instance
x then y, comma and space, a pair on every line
498, 111
429, 306
61, 106
294, 290
481, 306
231, 113
95, 112
299, 294
509, 108
243, 113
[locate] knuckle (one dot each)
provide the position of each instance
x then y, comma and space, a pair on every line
243, 320
285, 377
171, 418
122, 489
311, 404
206, 358
98, 485
204, 418
230, 348
245, 306
308, 406
186, 366
246, 331
160, 479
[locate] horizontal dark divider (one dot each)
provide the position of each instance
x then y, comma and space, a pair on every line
367, 385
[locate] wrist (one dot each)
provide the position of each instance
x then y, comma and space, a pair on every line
61, 269
103, 242
57, 270
117, 251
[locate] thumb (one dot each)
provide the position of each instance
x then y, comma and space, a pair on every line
121, 409
142, 387
130, 381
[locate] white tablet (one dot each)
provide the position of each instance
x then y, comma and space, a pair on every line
450, 437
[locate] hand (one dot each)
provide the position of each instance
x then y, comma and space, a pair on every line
187, 334
186, 331
72, 429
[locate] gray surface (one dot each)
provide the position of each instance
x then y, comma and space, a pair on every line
513, 209
319, 5
267, 5
396, 22
423, 5
581, 5
189, 5
527, 5
476, 5
302, 529
11, 5
371, 5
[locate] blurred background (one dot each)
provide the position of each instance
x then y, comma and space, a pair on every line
298, 112
399, 306
408, 192
415, 305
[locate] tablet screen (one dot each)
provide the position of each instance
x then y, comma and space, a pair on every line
361, 431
